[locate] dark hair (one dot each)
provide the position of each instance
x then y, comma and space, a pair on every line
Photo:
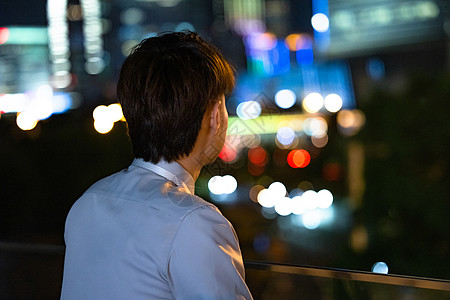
165, 87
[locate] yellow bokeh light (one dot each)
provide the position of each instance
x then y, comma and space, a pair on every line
26, 121
297, 41
115, 112
103, 125
313, 102
333, 103
100, 112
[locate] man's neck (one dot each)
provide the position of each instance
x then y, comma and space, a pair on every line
192, 165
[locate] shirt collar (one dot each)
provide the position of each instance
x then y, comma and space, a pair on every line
173, 168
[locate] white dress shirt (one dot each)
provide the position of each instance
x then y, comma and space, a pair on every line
142, 234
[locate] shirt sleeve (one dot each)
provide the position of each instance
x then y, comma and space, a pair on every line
205, 260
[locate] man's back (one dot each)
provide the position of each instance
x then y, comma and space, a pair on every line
138, 235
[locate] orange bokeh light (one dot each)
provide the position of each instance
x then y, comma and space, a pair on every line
298, 158
257, 156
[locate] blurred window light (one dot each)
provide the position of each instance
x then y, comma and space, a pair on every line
333, 103
23, 35
26, 120
248, 110
320, 22
285, 135
324, 198
313, 102
92, 33
299, 158
319, 142
58, 43
277, 189
283, 206
285, 98
380, 267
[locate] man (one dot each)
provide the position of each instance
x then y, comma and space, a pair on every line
142, 233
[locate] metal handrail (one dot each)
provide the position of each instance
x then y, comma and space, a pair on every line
332, 273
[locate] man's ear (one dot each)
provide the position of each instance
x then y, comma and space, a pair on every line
214, 120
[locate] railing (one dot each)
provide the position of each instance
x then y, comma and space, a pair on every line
283, 281
35, 270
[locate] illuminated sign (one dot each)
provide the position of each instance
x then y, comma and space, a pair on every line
363, 26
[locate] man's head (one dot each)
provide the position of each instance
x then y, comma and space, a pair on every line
166, 86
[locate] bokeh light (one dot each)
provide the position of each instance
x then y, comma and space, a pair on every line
257, 156
320, 22
266, 199
298, 158
4, 35
254, 191
317, 127
311, 219
285, 98
285, 136
319, 142
219, 185
310, 199
313, 102
324, 198
333, 103
261, 41
283, 206
380, 267
26, 120
248, 110
297, 41
103, 125
106, 116
277, 189
228, 153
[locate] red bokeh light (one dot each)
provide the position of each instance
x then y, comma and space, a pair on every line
4, 35
257, 156
298, 158
227, 154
